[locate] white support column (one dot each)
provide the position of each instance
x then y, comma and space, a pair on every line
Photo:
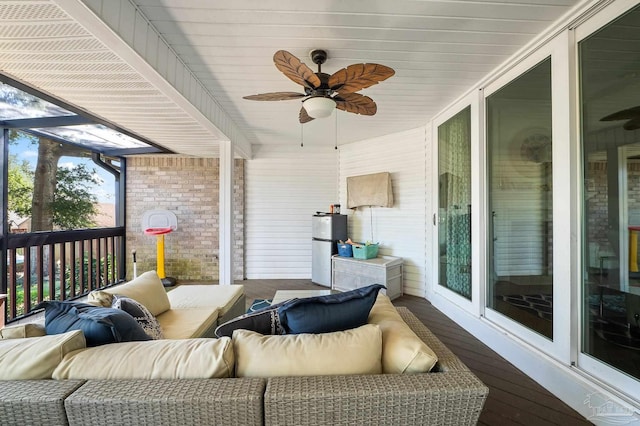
226, 214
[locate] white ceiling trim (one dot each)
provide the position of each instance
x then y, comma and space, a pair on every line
213, 118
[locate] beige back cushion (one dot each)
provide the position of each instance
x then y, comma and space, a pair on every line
402, 350
355, 351
36, 357
146, 289
152, 359
22, 331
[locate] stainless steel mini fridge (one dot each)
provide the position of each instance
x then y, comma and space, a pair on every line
327, 230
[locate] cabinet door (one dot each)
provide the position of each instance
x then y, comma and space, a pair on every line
350, 274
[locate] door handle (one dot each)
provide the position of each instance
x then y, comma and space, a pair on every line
434, 219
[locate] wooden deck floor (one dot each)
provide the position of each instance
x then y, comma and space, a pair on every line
514, 398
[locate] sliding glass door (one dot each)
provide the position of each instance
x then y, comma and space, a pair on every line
454, 202
610, 141
520, 190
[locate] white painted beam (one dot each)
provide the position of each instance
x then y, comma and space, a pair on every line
225, 240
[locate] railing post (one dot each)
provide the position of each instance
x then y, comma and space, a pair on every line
4, 219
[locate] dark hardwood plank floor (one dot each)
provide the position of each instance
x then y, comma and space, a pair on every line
514, 398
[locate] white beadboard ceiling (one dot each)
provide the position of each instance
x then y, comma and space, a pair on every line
438, 49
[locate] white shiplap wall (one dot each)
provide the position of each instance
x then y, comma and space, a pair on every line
284, 186
401, 229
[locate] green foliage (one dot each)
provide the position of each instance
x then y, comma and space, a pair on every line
81, 287
73, 203
34, 297
20, 186
96, 280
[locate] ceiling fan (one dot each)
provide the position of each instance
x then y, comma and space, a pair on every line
324, 92
631, 114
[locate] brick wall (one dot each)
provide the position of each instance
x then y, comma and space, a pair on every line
189, 188
597, 194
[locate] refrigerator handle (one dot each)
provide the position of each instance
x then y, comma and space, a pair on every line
434, 219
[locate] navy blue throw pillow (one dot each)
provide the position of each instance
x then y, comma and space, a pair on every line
99, 325
264, 321
325, 314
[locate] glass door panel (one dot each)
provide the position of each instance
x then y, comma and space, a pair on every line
519, 164
454, 212
610, 112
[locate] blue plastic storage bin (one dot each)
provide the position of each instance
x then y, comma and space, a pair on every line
345, 250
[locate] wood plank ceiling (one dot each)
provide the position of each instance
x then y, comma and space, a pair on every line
437, 48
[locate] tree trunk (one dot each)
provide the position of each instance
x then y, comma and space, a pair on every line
44, 185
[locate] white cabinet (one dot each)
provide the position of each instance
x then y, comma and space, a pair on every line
350, 273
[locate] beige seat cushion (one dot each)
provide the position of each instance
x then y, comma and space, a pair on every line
222, 297
188, 323
153, 359
22, 331
355, 351
36, 357
402, 350
146, 289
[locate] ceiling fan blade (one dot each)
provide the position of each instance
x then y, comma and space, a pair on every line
275, 96
304, 117
623, 115
359, 76
296, 70
356, 103
633, 124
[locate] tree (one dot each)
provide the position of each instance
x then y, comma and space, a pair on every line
55, 197
44, 185
74, 206
45, 176
45, 182
20, 186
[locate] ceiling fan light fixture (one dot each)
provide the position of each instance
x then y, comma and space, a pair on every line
319, 106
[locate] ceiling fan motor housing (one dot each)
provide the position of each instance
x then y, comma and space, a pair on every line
318, 56
323, 89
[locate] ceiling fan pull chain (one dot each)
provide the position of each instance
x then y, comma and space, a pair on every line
301, 135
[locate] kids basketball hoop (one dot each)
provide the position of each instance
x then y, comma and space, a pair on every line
160, 223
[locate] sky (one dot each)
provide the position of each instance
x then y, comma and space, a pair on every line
105, 192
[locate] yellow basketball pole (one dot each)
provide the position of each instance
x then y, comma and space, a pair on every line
160, 255
159, 233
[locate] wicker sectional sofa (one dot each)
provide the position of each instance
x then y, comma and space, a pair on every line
450, 394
